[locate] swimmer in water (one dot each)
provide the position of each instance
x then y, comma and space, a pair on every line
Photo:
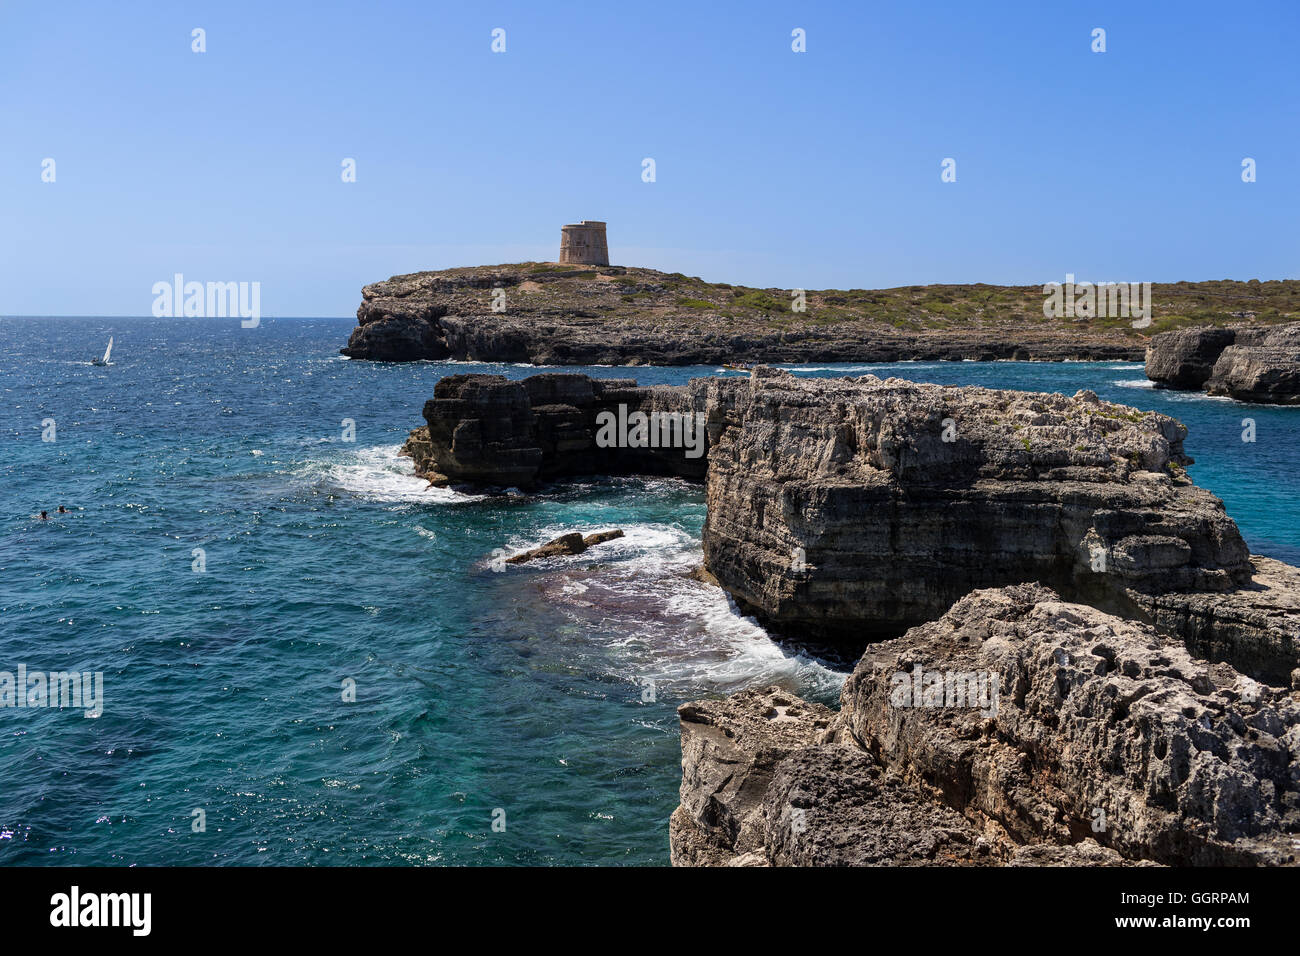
44, 516
62, 510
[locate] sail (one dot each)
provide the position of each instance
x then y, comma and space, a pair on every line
108, 350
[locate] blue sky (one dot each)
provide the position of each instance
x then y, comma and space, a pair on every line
812, 170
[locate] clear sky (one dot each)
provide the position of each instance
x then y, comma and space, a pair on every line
774, 168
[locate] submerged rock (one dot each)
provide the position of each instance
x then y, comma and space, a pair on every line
572, 543
1095, 741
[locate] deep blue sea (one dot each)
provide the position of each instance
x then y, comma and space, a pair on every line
519, 696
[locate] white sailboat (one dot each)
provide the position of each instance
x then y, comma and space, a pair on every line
107, 352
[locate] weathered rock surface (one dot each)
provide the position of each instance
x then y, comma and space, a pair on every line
759, 789
729, 750
1264, 367
1256, 627
488, 430
1109, 744
573, 543
1248, 364
1184, 358
1095, 713
565, 315
866, 506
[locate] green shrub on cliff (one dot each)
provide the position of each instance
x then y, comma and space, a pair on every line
758, 300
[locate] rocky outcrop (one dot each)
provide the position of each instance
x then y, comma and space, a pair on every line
1131, 703
863, 507
1094, 741
1184, 358
1248, 364
565, 544
844, 510
552, 314
1264, 368
762, 785
729, 750
488, 430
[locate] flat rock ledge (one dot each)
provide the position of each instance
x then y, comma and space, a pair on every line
1093, 741
1260, 365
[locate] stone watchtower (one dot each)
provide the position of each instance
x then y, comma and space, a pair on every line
584, 243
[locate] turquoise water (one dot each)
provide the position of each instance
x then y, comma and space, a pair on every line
526, 691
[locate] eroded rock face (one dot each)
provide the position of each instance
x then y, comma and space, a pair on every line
838, 806
1264, 368
481, 428
864, 506
1108, 744
729, 751
762, 786
1248, 364
488, 430
1184, 358
1095, 713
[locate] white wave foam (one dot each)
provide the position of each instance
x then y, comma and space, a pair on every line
380, 474
1134, 383
748, 656
661, 625
879, 368
832, 368
458, 362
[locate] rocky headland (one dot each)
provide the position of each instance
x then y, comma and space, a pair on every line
1249, 364
552, 314
1145, 662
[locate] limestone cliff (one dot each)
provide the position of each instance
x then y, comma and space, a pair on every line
1185, 358
487, 430
1265, 367
1249, 364
868, 506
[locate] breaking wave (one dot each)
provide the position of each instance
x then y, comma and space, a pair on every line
379, 474
658, 623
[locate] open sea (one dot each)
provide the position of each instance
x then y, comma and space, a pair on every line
539, 698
